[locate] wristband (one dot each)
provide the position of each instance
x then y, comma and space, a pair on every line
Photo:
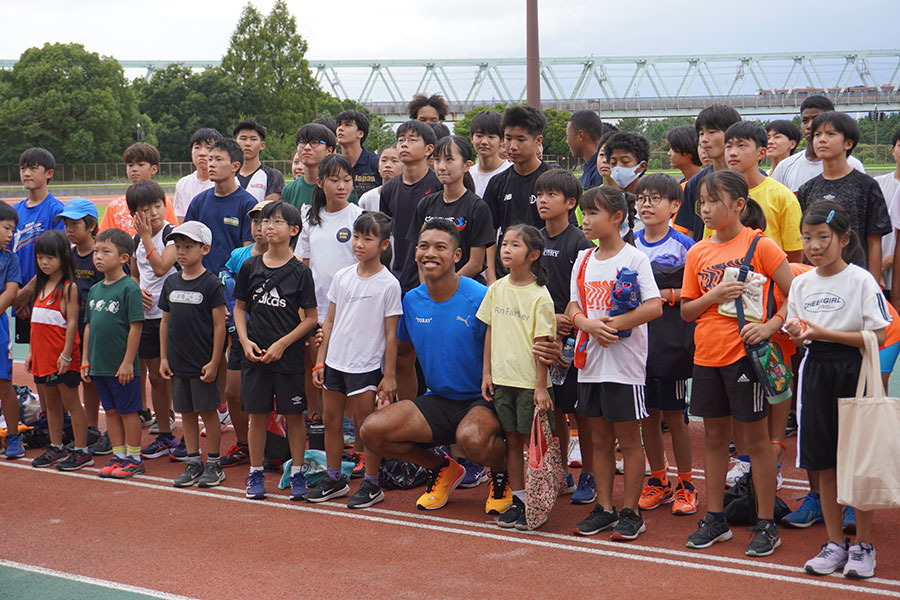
778, 315
150, 251
672, 301
318, 367
85, 365
582, 313
68, 360
782, 444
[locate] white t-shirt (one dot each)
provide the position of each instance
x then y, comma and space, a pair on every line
149, 280
361, 305
796, 170
889, 189
371, 200
328, 246
626, 360
481, 178
848, 301
185, 190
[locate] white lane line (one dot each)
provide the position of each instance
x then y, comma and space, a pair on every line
112, 585
522, 540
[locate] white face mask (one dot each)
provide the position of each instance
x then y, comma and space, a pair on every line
624, 176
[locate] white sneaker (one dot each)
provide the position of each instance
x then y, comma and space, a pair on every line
738, 469
574, 453
779, 481
860, 561
829, 559
620, 467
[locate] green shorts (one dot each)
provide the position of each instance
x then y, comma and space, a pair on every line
515, 408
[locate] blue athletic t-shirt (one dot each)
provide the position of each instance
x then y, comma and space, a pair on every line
449, 340
33, 221
670, 251
237, 258
226, 217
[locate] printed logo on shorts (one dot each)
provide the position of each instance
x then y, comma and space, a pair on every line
743, 378
297, 400
343, 235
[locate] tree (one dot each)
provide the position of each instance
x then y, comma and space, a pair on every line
267, 55
70, 101
555, 132
655, 131
635, 124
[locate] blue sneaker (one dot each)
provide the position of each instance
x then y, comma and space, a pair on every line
809, 513
586, 492
14, 447
256, 485
159, 447
849, 523
298, 486
179, 453
349, 432
570, 485
475, 474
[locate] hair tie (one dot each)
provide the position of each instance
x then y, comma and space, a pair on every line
829, 218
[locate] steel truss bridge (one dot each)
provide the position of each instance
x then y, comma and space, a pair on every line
616, 86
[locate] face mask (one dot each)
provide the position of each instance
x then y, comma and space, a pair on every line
624, 176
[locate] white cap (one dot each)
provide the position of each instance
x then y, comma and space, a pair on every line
194, 230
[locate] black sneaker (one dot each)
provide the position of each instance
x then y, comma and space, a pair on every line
710, 531
765, 539
630, 526
76, 460
791, 429
103, 445
190, 475
597, 521
367, 495
509, 519
327, 489
212, 476
146, 417
50, 457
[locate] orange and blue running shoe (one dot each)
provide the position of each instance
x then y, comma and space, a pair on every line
655, 494
685, 502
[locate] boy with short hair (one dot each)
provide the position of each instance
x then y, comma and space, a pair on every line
400, 196
37, 214
890, 184
745, 147
711, 124
558, 192
352, 131
112, 334
583, 133
198, 181
682, 152
428, 109
276, 292
152, 263
192, 333
314, 143
263, 182
141, 163
486, 135
10, 280
627, 154
834, 136
798, 168
223, 208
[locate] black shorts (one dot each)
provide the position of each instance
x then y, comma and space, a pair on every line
729, 391
235, 352
828, 371
148, 349
190, 394
23, 331
665, 394
615, 402
70, 379
351, 384
565, 396
263, 391
444, 415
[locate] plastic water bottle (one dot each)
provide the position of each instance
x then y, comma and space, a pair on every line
557, 375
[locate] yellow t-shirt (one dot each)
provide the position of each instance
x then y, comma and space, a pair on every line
783, 214
517, 315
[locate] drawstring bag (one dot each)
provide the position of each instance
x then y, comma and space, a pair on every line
543, 471
868, 447
314, 469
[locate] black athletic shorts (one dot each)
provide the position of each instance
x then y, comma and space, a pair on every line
615, 402
235, 352
665, 394
351, 384
565, 396
444, 415
263, 391
729, 391
71, 378
148, 348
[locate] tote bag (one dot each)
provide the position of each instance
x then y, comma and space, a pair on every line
543, 472
868, 449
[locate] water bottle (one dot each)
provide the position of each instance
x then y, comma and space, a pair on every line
558, 375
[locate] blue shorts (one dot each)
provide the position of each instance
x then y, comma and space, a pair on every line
113, 396
6, 362
888, 357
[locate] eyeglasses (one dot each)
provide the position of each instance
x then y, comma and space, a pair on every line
273, 222
651, 200
312, 143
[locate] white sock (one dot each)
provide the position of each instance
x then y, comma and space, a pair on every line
295, 470
254, 469
520, 494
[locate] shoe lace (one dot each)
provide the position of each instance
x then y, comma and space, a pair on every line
255, 477
432, 479
498, 485
858, 553
682, 494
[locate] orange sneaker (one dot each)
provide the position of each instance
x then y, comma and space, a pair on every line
655, 493
440, 484
685, 502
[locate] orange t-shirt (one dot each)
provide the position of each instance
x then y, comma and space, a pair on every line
717, 340
118, 215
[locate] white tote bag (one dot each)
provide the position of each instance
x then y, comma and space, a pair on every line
868, 450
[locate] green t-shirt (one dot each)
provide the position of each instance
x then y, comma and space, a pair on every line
109, 310
298, 193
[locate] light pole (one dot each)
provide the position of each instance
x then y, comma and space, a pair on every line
532, 56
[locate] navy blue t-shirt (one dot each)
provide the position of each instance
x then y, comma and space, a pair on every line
226, 217
448, 339
591, 176
365, 173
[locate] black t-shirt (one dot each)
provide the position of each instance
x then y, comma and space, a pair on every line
512, 199
687, 216
860, 195
277, 312
559, 257
268, 179
469, 213
399, 201
190, 304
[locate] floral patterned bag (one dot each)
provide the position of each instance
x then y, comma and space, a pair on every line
543, 472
